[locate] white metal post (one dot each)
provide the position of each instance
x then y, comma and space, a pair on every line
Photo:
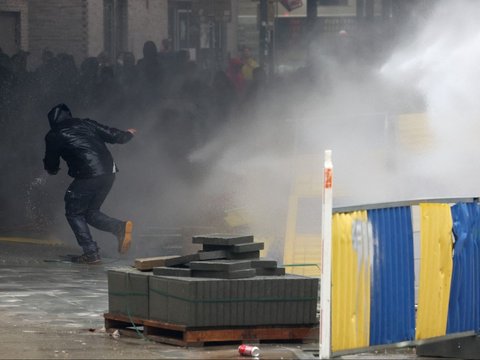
326, 280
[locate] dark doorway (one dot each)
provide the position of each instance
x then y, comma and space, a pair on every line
115, 27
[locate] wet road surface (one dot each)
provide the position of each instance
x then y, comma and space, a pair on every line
54, 310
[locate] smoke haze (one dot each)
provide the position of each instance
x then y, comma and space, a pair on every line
347, 98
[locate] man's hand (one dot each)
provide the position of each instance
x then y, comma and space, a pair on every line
132, 131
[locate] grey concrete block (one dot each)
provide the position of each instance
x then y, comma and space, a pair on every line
280, 305
244, 248
171, 271
200, 305
264, 263
237, 274
268, 294
158, 298
270, 271
181, 260
216, 247
227, 310
116, 292
249, 306
182, 295
212, 255
294, 301
243, 256
239, 309
234, 294
209, 307
217, 313
222, 239
128, 292
258, 307
220, 265
312, 313
305, 290
138, 299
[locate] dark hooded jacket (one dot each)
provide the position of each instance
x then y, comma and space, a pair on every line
81, 143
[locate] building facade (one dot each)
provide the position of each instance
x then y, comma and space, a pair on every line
211, 30
82, 28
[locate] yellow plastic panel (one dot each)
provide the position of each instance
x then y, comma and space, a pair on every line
435, 270
352, 253
414, 132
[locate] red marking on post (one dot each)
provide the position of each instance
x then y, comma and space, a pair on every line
328, 177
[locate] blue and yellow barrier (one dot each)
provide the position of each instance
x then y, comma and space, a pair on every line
373, 276
372, 300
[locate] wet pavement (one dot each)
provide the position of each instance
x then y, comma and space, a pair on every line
52, 309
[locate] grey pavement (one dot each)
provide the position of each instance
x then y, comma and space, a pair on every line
55, 310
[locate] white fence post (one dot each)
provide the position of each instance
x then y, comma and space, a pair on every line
326, 273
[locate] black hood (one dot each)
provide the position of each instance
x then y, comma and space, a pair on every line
58, 114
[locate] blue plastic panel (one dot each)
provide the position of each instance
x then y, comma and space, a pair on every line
392, 314
464, 305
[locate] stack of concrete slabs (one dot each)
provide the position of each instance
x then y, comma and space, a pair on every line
237, 247
263, 300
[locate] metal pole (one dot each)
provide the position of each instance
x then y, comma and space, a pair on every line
360, 10
263, 33
312, 14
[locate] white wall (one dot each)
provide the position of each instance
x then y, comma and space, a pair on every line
147, 20
95, 27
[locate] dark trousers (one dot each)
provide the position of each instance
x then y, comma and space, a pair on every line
83, 200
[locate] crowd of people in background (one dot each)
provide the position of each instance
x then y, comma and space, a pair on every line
164, 94
167, 82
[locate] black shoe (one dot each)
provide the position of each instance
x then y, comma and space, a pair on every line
90, 259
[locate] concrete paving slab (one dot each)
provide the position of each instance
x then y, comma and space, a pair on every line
212, 255
171, 271
220, 265
243, 248
222, 239
243, 256
264, 263
158, 298
270, 271
237, 274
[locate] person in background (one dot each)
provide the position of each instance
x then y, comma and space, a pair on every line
249, 63
235, 75
81, 143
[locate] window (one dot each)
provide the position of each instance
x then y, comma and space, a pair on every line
115, 27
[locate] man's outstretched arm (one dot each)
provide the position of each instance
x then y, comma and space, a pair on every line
113, 135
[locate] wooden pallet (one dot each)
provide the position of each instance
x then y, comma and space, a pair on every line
182, 335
